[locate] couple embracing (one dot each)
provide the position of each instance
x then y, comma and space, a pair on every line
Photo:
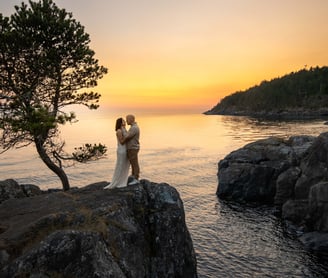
127, 153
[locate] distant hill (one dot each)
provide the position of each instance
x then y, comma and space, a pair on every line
299, 94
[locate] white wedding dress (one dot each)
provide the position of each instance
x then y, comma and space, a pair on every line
121, 172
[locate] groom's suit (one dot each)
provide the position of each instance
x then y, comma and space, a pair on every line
133, 146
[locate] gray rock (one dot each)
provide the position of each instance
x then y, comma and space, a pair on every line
285, 185
31, 190
10, 189
136, 231
67, 254
314, 166
292, 174
300, 145
246, 182
250, 173
4, 257
318, 207
295, 211
272, 148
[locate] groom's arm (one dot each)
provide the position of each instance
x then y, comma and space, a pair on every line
125, 139
132, 131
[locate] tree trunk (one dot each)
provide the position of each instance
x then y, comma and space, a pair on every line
51, 165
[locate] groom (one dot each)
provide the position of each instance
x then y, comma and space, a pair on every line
133, 146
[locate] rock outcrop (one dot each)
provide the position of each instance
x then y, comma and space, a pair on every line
10, 189
251, 173
137, 231
290, 174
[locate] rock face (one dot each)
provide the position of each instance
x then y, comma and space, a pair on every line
137, 231
291, 174
10, 189
250, 174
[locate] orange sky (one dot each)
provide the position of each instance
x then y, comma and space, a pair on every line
184, 55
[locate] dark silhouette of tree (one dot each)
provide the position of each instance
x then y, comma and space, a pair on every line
45, 65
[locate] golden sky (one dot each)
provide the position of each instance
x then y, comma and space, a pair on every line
185, 55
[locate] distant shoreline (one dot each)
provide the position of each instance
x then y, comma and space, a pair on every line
297, 95
283, 114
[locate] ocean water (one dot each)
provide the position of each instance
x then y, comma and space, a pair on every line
230, 240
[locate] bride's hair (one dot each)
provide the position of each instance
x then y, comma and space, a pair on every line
119, 122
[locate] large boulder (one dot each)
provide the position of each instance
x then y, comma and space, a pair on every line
136, 231
292, 174
250, 173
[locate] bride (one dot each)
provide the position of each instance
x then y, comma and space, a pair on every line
121, 172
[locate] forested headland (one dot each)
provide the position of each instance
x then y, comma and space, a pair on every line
299, 94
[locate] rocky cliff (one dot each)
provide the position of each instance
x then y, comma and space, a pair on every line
137, 231
290, 174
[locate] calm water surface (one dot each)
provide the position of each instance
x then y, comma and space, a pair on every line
183, 150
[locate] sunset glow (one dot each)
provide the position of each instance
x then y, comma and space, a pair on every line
186, 55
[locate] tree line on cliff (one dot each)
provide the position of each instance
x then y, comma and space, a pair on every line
306, 89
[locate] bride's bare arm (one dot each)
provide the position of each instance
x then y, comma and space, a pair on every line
120, 137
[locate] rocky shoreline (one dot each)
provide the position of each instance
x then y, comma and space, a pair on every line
137, 231
273, 114
290, 174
